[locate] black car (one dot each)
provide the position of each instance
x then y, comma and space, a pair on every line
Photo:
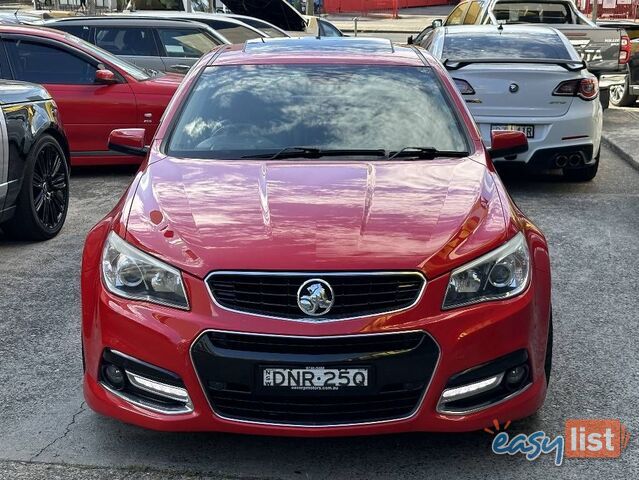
626, 95
34, 163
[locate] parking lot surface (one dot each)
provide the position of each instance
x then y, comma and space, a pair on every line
46, 430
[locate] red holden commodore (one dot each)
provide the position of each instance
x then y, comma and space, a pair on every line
317, 244
95, 91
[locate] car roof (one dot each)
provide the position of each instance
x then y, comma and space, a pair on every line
134, 21
319, 50
35, 30
507, 29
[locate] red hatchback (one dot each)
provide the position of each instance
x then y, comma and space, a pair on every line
95, 91
317, 244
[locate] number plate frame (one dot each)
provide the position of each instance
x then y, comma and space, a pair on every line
316, 385
528, 129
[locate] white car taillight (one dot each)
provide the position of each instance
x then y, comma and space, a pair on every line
463, 86
584, 88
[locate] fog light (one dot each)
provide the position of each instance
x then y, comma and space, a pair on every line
515, 376
115, 376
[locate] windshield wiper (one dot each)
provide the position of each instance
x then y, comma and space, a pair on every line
424, 153
313, 152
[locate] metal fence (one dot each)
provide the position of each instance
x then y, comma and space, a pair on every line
364, 7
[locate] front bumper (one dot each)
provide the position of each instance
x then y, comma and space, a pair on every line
463, 339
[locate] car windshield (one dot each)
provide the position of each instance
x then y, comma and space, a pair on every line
240, 111
502, 45
531, 12
132, 70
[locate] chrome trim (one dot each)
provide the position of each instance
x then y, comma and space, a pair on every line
411, 415
4, 157
188, 408
479, 409
316, 275
138, 382
496, 381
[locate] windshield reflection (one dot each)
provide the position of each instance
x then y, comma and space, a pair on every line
237, 111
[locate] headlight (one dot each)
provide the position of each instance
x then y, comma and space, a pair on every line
499, 274
131, 273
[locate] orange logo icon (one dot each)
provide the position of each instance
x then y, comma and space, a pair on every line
605, 438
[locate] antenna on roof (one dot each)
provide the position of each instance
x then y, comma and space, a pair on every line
500, 28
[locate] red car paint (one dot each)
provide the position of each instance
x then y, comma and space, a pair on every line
454, 211
91, 112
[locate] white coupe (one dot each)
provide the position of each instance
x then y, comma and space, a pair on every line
530, 79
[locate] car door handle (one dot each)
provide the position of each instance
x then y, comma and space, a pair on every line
180, 68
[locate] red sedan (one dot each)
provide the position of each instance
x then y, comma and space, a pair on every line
317, 244
95, 91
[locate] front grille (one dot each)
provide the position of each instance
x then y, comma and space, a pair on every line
228, 366
274, 294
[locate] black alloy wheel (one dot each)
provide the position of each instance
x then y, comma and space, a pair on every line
42, 204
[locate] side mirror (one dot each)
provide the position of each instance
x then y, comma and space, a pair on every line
129, 141
410, 40
438, 22
105, 77
504, 143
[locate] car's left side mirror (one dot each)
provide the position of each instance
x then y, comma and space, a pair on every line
410, 40
105, 77
438, 22
506, 143
129, 141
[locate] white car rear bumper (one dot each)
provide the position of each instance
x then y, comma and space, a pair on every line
580, 128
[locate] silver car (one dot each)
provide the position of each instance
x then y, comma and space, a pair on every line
155, 44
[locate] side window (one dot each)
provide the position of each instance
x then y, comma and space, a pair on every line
473, 12
428, 40
41, 63
79, 31
182, 42
127, 41
457, 15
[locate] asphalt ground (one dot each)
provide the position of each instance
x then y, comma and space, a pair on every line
46, 431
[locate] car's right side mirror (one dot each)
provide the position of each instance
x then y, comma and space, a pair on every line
410, 40
506, 143
438, 22
129, 141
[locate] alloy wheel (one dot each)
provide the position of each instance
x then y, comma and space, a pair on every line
50, 186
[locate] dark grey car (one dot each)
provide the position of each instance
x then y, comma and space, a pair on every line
157, 44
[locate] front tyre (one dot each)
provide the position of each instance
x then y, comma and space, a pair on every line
620, 96
43, 201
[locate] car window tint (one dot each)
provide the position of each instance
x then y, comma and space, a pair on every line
246, 110
180, 42
329, 30
126, 41
456, 16
264, 27
80, 31
472, 14
173, 5
519, 45
531, 12
40, 63
233, 32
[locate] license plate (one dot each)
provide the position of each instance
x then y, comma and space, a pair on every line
529, 130
315, 378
